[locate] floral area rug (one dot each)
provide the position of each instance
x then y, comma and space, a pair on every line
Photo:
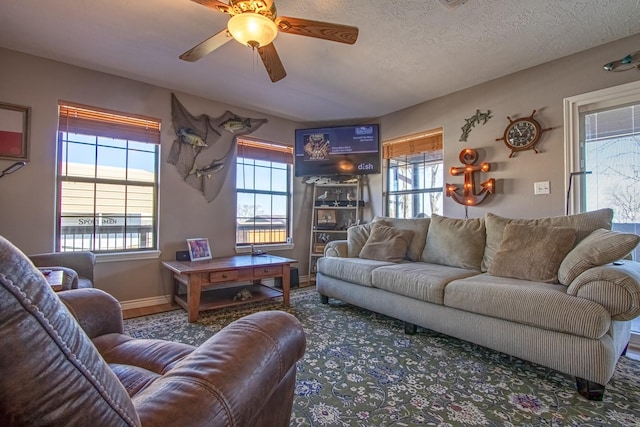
360, 369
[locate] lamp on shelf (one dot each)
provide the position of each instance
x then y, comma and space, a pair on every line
571, 175
252, 29
11, 169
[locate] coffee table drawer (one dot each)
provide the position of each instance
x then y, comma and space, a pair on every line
275, 270
223, 276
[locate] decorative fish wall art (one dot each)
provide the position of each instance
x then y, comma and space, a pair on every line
204, 148
629, 62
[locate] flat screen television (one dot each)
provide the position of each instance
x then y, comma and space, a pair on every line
338, 150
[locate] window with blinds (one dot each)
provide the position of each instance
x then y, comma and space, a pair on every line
263, 193
414, 174
609, 151
107, 179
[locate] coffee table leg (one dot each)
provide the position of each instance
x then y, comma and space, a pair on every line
286, 283
193, 297
176, 287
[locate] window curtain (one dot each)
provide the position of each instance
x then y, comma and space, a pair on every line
423, 142
257, 150
76, 118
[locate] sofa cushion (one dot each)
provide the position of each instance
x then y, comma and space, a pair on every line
531, 303
386, 243
354, 270
139, 362
419, 226
455, 242
598, 248
418, 280
583, 223
532, 252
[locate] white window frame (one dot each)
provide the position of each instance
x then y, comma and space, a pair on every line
423, 191
288, 244
622, 94
117, 254
617, 95
405, 146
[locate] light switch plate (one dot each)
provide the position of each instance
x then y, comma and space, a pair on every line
541, 188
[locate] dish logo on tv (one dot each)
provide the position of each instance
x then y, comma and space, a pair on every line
364, 130
365, 167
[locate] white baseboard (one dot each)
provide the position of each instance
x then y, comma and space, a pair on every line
145, 302
166, 299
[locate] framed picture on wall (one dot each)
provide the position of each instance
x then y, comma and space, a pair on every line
199, 249
14, 132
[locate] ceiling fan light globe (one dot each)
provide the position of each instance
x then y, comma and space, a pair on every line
252, 29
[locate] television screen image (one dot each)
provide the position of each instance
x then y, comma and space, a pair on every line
339, 150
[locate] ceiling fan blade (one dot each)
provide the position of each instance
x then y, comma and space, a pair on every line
214, 4
206, 47
320, 30
272, 62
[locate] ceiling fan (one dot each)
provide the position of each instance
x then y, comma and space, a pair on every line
255, 23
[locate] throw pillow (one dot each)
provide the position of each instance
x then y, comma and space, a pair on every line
386, 243
357, 237
532, 252
455, 242
419, 226
584, 223
598, 248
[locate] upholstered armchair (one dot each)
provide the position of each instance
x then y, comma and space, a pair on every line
65, 360
77, 267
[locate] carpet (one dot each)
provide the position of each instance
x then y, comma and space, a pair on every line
360, 369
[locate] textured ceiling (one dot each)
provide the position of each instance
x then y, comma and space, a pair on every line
408, 51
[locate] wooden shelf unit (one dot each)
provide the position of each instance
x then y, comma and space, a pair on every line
332, 214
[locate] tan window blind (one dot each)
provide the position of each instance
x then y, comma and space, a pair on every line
422, 142
76, 118
265, 151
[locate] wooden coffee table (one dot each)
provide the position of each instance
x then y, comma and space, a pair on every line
206, 285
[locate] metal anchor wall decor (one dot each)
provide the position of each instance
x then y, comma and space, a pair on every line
469, 197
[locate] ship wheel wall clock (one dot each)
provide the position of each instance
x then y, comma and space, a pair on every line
522, 134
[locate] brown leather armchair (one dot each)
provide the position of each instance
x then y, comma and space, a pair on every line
77, 267
64, 360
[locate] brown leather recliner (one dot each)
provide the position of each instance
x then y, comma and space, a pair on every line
56, 370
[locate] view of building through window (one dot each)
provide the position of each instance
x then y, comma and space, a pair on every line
610, 150
107, 194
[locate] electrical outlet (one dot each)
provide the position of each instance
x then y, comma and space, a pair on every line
541, 188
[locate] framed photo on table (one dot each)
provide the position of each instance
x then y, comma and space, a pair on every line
14, 132
199, 249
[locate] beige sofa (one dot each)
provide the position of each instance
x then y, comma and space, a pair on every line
544, 290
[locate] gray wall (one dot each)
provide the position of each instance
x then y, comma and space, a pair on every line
542, 88
27, 198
